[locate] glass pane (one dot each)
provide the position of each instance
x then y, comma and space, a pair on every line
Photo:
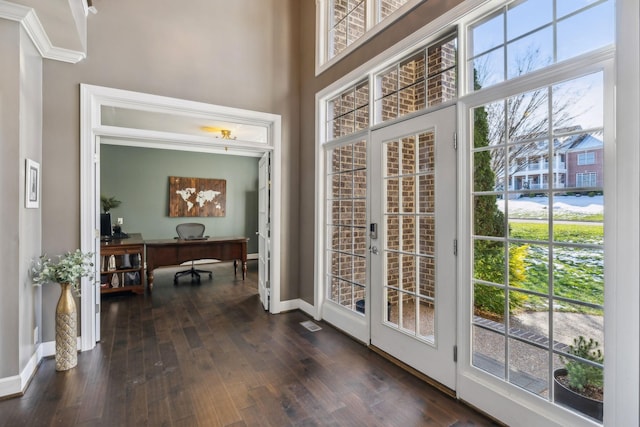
572, 321
566, 7
427, 235
335, 212
426, 320
356, 23
393, 232
529, 267
529, 318
489, 125
360, 213
578, 232
387, 82
393, 303
489, 301
360, 241
360, 184
488, 219
393, 195
346, 270
411, 70
489, 262
393, 158
528, 115
529, 367
408, 318
427, 276
528, 15
442, 56
408, 273
334, 290
578, 104
408, 155
442, 87
338, 36
490, 170
571, 38
529, 217
359, 274
388, 107
361, 94
408, 194
346, 212
346, 294
530, 53
345, 243
393, 269
411, 99
426, 196
408, 234
487, 34
362, 118
488, 69
426, 152
578, 273
488, 349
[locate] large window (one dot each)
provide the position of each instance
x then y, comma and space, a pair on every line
346, 23
538, 241
528, 35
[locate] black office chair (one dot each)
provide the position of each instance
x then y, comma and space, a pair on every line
191, 231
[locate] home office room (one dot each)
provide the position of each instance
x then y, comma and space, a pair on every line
139, 179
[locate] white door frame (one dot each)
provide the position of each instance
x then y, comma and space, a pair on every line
91, 130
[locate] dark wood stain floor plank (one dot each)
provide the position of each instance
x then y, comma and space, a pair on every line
209, 355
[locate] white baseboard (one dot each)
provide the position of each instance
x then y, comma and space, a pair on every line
16, 384
296, 304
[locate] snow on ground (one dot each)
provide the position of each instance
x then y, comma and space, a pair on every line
583, 205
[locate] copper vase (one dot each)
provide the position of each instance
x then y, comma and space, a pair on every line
66, 321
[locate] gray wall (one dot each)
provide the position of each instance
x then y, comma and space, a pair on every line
20, 138
139, 178
240, 53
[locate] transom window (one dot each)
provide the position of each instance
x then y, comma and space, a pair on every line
348, 112
346, 23
528, 35
424, 79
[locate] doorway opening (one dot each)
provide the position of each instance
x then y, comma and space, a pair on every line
117, 117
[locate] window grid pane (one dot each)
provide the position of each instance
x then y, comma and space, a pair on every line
347, 224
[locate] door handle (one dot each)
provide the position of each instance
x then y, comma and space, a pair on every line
374, 250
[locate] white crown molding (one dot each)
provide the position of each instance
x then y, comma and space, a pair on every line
28, 18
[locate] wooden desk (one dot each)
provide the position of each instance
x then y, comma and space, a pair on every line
170, 252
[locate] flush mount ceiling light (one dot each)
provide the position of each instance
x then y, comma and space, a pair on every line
224, 133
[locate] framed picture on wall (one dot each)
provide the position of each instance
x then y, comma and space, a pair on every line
32, 184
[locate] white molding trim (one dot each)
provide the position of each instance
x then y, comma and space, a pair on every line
307, 308
28, 18
289, 305
91, 133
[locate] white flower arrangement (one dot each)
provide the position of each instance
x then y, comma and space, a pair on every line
69, 268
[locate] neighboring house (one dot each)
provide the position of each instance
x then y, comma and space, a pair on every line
577, 164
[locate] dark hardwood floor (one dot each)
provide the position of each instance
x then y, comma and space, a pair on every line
208, 355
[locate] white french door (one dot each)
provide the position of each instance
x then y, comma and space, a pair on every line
264, 246
413, 269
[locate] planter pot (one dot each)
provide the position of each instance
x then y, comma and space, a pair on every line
66, 321
567, 397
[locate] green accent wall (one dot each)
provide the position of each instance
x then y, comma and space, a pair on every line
139, 177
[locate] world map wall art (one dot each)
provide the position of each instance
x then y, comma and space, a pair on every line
197, 196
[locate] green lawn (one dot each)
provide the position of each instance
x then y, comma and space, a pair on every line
578, 272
